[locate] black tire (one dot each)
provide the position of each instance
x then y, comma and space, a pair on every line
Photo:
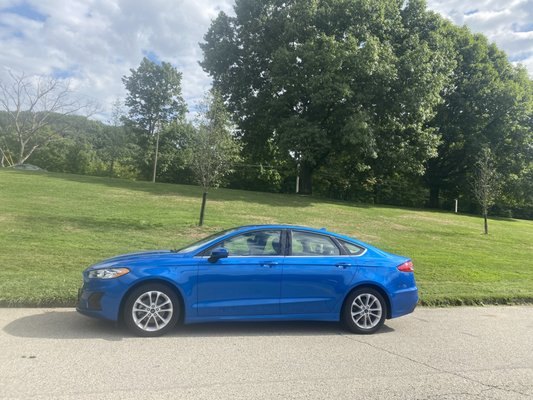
164, 310
367, 307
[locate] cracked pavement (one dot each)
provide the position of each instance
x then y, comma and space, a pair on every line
434, 353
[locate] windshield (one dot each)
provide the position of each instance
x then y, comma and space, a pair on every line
206, 240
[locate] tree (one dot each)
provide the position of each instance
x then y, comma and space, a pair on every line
488, 101
486, 184
211, 148
154, 100
77, 149
32, 105
115, 142
317, 81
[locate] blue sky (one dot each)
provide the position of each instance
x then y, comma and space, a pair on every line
93, 43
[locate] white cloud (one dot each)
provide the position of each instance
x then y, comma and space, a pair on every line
96, 42
509, 24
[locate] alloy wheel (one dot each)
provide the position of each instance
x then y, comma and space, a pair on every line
152, 311
366, 311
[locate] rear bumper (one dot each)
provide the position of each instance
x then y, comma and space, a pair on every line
403, 302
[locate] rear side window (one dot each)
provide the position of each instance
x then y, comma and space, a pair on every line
309, 244
352, 249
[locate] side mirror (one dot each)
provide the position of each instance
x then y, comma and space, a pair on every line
217, 254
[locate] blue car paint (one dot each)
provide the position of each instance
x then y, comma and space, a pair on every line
239, 286
255, 288
314, 285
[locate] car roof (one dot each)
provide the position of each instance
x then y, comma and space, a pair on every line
278, 226
246, 228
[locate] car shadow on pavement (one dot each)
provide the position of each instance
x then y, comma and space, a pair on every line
63, 325
264, 328
71, 325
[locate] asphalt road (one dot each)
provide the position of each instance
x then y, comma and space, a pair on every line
454, 353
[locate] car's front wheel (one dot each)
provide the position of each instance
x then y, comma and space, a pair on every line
364, 311
151, 310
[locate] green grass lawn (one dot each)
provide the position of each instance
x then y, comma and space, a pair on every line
52, 226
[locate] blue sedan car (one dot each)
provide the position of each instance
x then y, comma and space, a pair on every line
253, 273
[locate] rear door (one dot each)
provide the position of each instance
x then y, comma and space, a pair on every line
317, 274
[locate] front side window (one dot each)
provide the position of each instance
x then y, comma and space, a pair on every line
257, 243
310, 244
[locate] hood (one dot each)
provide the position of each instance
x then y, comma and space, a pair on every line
131, 259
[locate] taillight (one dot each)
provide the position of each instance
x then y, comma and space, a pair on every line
406, 266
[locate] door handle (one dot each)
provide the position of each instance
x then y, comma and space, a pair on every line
343, 265
268, 264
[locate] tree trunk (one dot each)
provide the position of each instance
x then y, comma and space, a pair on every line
306, 179
155, 156
202, 210
434, 197
21, 153
376, 192
6, 159
486, 222
111, 167
28, 155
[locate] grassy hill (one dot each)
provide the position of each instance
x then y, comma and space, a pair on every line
52, 226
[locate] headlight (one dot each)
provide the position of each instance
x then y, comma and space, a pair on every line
107, 273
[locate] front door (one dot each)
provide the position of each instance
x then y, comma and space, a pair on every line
246, 283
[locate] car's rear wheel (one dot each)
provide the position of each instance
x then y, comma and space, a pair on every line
151, 310
364, 311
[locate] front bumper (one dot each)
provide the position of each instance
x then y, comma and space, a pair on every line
101, 299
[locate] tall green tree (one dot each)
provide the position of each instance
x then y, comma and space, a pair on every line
317, 79
487, 104
211, 149
154, 100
